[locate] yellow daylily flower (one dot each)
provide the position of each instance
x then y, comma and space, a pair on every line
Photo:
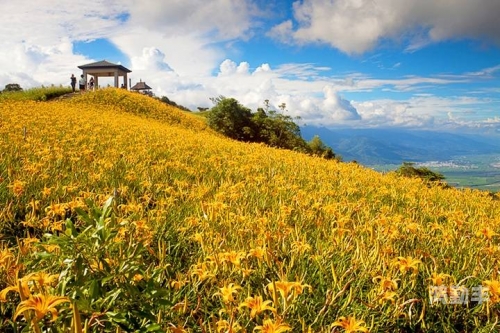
42, 278
270, 326
287, 290
5, 257
223, 326
23, 291
386, 283
350, 324
256, 305
438, 278
41, 304
228, 292
493, 290
407, 264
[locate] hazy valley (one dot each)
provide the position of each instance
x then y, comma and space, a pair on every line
465, 159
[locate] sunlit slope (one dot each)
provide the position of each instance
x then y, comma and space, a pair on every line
368, 245
138, 104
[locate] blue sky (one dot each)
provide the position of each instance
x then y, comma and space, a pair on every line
348, 63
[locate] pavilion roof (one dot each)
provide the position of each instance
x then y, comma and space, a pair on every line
140, 86
104, 64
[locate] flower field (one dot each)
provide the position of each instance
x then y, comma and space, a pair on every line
120, 213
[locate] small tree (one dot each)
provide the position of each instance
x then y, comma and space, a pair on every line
12, 87
318, 148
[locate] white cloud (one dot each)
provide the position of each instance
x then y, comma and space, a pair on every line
37, 37
314, 102
183, 31
43, 22
223, 19
263, 68
34, 65
425, 111
338, 108
152, 59
229, 67
358, 26
390, 113
283, 32
187, 55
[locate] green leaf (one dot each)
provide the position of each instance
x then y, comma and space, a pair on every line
94, 290
112, 298
106, 209
117, 317
82, 214
154, 328
107, 279
70, 228
164, 302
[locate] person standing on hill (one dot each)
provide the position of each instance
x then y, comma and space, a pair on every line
82, 83
73, 82
91, 84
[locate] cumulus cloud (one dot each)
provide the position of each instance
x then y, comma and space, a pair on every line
229, 67
263, 68
151, 59
356, 26
337, 107
187, 55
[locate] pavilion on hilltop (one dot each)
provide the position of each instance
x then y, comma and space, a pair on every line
105, 68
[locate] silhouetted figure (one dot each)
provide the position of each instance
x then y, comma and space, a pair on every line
73, 82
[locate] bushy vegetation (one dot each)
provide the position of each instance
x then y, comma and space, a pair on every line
408, 169
34, 94
10, 87
275, 129
166, 100
121, 213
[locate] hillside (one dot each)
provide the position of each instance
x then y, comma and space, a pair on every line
121, 211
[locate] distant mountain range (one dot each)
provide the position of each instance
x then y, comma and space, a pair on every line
394, 146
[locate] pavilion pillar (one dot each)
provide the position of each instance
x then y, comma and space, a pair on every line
125, 80
116, 78
96, 81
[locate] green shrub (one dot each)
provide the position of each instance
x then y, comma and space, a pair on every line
408, 169
232, 119
275, 129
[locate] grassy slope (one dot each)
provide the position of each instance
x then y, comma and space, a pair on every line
215, 203
35, 94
